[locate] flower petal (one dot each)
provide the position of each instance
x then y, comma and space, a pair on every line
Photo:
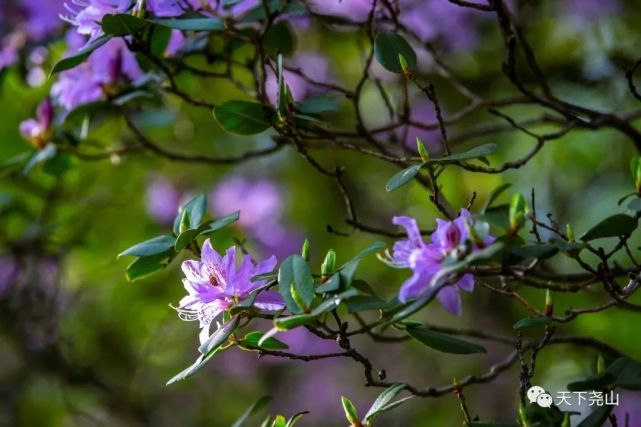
192, 270
269, 301
450, 299
466, 283
411, 227
209, 254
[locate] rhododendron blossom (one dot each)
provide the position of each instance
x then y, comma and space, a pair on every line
215, 284
426, 259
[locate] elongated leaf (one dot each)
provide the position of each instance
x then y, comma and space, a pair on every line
442, 342
635, 206
122, 24
143, 267
347, 271
350, 411
253, 409
475, 153
388, 46
221, 223
294, 419
80, 56
495, 195
252, 339
157, 245
185, 239
531, 322
367, 302
382, 400
403, 177
196, 208
295, 280
243, 117
219, 337
614, 226
291, 322
318, 104
194, 368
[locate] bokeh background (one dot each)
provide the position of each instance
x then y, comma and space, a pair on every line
80, 346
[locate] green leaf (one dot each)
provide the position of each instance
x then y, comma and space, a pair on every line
294, 275
279, 421
291, 322
597, 418
185, 239
196, 208
252, 339
495, 195
348, 270
192, 24
444, 343
221, 222
219, 337
318, 104
382, 401
157, 245
350, 411
498, 216
387, 48
243, 117
160, 38
530, 322
623, 372
403, 177
367, 302
143, 267
122, 24
80, 56
253, 409
194, 368
294, 419
614, 226
279, 39
475, 153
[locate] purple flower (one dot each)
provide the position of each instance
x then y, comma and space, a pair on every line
86, 15
354, 10
42, 17
162, 200
9, 48
38, 130
96, 77
435, 19
426, 259
313, 66
169, 8
260, 203
214, 284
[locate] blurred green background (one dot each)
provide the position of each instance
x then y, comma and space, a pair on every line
79, 345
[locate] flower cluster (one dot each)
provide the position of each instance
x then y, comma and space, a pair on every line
451, 240
215, 284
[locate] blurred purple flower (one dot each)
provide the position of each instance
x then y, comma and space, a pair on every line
42, 17
436, 19
354, 10
315, 67
261, 209
38, 130
162, 199
425, 259
9, 48
215, 284
9, 271
96, 77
